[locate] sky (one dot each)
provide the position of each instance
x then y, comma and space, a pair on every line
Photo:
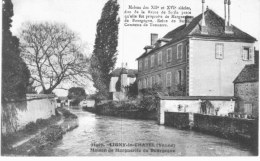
82, 15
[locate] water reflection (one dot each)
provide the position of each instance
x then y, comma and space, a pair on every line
106, 130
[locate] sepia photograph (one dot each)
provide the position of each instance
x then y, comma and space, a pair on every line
130, 78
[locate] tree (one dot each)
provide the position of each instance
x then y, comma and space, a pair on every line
15, 74
149, 100
104, 55
132, 90
76, 94
54, 55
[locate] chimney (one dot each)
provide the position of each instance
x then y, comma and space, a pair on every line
126, 66
154, 38
228, 27
203, 24
225, 11
188, 19
229, 3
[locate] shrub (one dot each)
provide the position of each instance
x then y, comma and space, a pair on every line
42, 122
30, 127
53, 133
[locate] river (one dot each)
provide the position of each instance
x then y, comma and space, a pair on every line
101, 134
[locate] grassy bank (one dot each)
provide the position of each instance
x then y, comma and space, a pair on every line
34, 139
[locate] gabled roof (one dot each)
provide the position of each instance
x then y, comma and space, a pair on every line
248, 74
215, 28
130, 72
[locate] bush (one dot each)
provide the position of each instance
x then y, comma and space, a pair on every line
30, 127
42, 122
53, 133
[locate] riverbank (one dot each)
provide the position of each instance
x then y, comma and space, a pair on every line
39, 136
122, 110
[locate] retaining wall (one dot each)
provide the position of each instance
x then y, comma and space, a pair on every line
36, 106
245, 130
177, 119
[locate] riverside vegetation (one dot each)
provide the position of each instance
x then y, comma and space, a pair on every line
39, 136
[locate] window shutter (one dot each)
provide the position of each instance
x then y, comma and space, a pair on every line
182, 74
181, 52
176, 78
170, 79
241, 52
250, 54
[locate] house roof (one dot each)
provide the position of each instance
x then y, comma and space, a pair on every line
248, 74
215, 28
130, 72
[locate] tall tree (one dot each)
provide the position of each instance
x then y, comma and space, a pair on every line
105, 49
15, 74
54, 55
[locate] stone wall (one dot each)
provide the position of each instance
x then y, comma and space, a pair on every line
239, 129
36, 106
247, 93
177, 119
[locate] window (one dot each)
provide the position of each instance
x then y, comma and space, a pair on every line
146, 63
169, 55
179, 51
219, 49
152, 61
246, 53
153, 82
178, 77
140, 65
168, 79
158, 79
160, 58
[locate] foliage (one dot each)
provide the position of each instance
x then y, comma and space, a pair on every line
104, 55
132, 90
15, 74
53, 133
181, 90
54, 55
30, 127
149, 99
76, 94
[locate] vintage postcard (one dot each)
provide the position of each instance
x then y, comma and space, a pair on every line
130, 78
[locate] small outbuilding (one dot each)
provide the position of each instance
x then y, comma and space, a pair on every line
246, 90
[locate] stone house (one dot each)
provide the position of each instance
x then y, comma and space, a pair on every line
126, 77
246, 90
200, 58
